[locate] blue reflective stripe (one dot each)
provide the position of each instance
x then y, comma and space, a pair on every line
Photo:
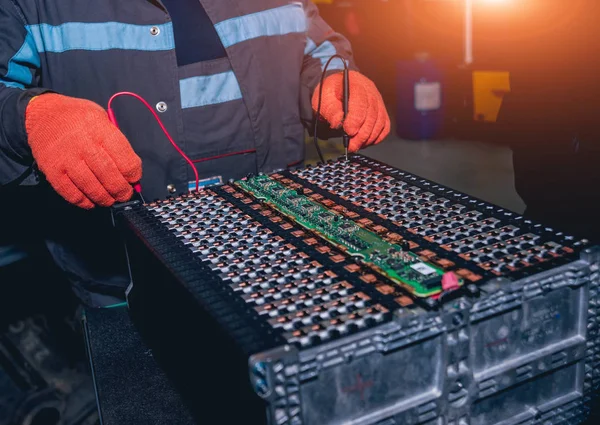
11, 85
310, 46
19, 74
279, 21
209, 90
323, 53
101, 36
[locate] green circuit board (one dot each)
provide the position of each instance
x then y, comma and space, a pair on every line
403, 267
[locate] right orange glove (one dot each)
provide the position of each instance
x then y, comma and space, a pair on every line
85, 158
368, 122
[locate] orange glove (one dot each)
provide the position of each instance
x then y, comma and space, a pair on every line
367, 123
85, 158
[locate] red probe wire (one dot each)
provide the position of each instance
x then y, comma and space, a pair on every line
113, 119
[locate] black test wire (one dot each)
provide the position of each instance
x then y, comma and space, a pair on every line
345, 103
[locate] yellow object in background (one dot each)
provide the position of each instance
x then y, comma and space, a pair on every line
489, 88
323, 1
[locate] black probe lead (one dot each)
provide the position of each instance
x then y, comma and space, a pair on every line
345, 105
346, 97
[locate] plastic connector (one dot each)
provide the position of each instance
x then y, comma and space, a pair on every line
450, 282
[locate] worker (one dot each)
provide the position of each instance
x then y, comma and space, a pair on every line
234, 82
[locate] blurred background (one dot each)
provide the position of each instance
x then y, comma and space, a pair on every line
470, 83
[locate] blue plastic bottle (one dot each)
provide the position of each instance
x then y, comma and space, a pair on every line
419, 114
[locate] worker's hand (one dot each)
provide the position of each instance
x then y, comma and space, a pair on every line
367, 123
85, 158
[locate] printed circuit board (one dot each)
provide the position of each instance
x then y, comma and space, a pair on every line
393, 261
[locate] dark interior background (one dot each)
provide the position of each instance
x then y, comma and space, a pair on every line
550, 47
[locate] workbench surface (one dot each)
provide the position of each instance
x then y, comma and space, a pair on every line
130, 387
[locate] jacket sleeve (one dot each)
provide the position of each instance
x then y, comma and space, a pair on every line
19, 63
321, 44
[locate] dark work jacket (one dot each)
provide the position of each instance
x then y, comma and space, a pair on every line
236, 115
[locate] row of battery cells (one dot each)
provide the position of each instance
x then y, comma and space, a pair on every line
265, 271
418, 210
487, 241
242, 252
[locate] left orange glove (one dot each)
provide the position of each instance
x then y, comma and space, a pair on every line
367, 123
84, 157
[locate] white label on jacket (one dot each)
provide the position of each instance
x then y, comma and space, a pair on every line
428, 96
211, 181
